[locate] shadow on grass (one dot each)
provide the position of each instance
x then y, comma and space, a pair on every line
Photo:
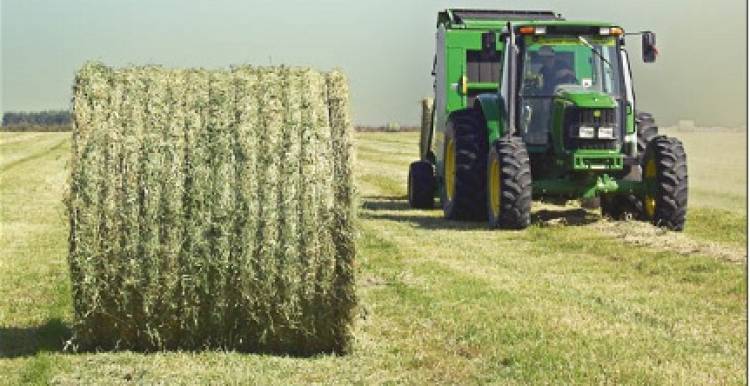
28, 341
394, 208
52, 336
385, 203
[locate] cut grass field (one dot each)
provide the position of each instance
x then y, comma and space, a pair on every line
572, 299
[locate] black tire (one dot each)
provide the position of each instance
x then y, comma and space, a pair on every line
508, 164
645, 118
590, 203
467, 131
626, 206
669, 182
621, 207
421, 185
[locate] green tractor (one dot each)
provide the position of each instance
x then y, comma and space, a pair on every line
528, 105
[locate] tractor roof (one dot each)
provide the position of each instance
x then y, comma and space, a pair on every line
485, 18
497, 19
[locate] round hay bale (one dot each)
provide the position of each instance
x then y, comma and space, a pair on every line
212, 209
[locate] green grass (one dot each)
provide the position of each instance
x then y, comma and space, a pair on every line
441, 301
717, 163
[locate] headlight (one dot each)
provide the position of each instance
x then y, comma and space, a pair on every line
607, 132
586, 132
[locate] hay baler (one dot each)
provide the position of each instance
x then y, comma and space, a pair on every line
530, 105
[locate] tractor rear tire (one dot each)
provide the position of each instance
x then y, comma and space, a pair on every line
421, 185
463, 195
666, 171
509, 184
644, 118
646, 131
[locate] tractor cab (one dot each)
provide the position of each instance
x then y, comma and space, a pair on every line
567, 92
569, 68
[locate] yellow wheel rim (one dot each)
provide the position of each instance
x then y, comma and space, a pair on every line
450, 169
649, 202
495, 187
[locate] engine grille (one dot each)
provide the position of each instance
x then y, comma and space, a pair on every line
575, 118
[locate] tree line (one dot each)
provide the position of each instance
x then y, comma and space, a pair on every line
37, 118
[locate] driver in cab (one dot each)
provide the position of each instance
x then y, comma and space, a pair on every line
553, 71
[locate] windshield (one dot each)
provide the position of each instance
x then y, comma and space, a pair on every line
553, 63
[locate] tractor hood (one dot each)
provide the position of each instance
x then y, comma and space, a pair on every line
584, 97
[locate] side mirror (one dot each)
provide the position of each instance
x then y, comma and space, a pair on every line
648, 40
489, 42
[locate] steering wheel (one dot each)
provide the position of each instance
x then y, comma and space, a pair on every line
568, 79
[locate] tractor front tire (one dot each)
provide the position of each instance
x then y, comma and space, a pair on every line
509, 184
630, 206
590, 203
665, 173
621, 206
421, 185
464, 166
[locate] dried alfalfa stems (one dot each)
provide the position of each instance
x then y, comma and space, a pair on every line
212, 209
426, 122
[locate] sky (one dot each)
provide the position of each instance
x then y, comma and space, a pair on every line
385, 47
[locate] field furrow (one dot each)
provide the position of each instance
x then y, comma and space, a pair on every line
18, 152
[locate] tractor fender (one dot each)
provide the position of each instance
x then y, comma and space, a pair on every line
489, 105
